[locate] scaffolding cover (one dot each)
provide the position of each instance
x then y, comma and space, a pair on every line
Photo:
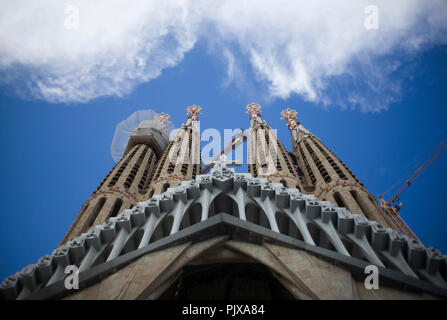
125, 128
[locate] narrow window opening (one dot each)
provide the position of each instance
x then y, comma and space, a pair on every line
284, 183
361, 205
95, 212
339, 200
116, 208
165, 187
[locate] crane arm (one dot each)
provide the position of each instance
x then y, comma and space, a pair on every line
417, 173
391, 210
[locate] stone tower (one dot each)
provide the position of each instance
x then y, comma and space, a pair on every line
128, 182
229, 235
181, 160
326, 176
267, 157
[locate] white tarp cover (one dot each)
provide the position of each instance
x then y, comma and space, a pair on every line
125, 128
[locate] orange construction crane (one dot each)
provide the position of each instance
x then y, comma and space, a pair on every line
392, 206
236, 141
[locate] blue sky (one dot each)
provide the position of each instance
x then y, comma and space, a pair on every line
378, 102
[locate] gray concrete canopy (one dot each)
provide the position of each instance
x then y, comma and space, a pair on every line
317, 225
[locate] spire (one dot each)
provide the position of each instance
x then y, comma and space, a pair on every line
292, 122
255, 115
297, 130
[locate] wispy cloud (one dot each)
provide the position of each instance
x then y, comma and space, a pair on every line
317, 49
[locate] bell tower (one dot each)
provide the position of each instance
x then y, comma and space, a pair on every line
181, 160
128, 182
326, 176
267, 157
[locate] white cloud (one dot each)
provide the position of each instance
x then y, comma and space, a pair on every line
317, 49
322, 51
117, 45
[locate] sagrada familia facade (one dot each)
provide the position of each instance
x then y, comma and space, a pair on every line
298, 225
